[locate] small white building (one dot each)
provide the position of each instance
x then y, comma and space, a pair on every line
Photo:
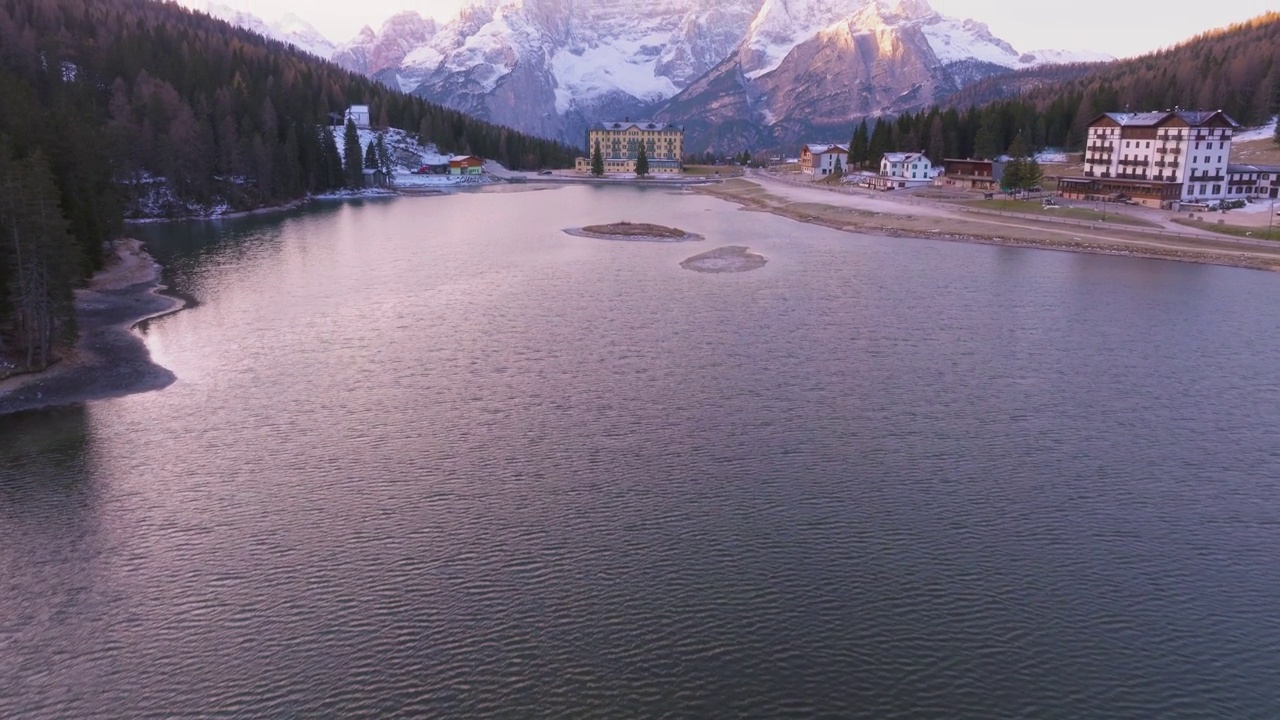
821, 160
359, 114
905, 170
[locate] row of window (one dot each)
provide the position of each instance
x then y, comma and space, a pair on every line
1194, 159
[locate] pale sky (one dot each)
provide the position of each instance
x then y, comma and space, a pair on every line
1120, 27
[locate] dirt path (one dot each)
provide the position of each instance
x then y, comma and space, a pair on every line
854, 212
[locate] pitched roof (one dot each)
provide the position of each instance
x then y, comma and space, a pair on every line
819, 148
1194, 118
637, 124
897, 157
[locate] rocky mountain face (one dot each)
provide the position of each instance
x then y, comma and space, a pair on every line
787, 84
737, 73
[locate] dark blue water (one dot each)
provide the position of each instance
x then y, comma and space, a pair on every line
434, 458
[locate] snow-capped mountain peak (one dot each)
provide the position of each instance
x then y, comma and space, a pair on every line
289, 29
551, 67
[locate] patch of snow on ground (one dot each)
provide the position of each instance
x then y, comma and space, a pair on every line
1254, 206
1052, 155
1266, 132
405, 151
410, 180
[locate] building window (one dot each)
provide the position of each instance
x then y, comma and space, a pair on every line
1217, 189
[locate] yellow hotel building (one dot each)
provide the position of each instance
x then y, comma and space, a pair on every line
620, 145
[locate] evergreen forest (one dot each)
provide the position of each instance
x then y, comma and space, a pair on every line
1236, 69
108, 105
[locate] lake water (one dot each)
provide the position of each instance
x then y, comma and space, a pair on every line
432, 457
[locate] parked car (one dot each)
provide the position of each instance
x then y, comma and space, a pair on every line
546, 172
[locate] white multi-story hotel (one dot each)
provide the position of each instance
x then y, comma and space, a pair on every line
1156, 158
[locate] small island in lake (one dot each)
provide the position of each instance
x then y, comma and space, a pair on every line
642, 232
731, 258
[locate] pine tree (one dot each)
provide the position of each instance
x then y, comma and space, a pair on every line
1014, 177
858, 145
838, 170
333, 176
371, 156
880, 143
1018, 148
40, 258
936, 142
986, 144
352, 159
384, 155
597, 161
642, 161
1032, 174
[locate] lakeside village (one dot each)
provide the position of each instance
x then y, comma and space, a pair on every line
1169, 160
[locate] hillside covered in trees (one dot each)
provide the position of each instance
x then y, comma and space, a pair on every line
103, 101
1236, 69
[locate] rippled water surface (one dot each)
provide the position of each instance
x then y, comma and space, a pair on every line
432, 457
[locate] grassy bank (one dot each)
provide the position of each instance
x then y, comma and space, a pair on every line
1256, 233
1024, 207
713, 170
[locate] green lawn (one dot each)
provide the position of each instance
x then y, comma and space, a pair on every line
724, 170
1033, 207
1236, 230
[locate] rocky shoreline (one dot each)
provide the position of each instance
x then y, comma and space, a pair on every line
109, 360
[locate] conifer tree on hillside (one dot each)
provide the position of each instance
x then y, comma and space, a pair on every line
986, 144
597, 161
384, 155
1018, 148
371, 156
936, 150
858, 145
642, 161
331, 175
881, 142
38, 257
352, 159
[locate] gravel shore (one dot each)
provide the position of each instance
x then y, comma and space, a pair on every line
110, 359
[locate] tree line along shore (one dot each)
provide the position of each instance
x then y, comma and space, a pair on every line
134, 107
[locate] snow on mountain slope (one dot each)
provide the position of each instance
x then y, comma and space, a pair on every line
596, 71
552, 67
289, 29
781, 25
954, 40
1062, 57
